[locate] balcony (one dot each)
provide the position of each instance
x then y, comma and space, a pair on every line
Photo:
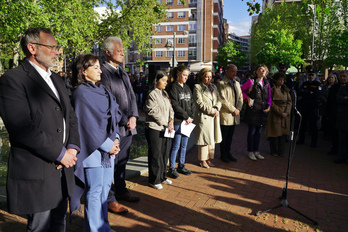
192, 57
147, 57
193, 18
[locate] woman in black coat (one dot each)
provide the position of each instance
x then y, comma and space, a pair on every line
257, 92
98, 115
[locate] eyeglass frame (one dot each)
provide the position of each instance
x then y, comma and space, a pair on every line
52, 48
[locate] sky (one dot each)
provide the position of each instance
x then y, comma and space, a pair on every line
238, 19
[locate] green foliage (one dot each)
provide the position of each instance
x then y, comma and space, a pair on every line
76, 25
140, 62
73, 22
338, 50
280, 47
288, 16
333, 37
254, 8
230, 53
133, 22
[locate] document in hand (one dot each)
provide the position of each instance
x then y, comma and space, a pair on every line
169, 135
187, 129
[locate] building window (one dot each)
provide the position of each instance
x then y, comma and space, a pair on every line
192, 51
158, 28
193, 39
193, 26
193, 1
160, 1
158, 41
179, 2
170, 2
181, 27
170, 15
169, 53
181, 14
170, 28
158, 54
181, 40
181, 53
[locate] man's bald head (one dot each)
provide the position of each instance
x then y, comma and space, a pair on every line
231, 71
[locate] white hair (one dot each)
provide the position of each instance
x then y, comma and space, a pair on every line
109, 44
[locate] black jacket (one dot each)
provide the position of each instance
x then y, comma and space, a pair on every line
182, 102
33, 117
120, 86
342, 108
254, 115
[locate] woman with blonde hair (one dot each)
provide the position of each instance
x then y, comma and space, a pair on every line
257, 93
207, 120
184, 107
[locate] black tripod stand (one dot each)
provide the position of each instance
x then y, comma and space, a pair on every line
283, 197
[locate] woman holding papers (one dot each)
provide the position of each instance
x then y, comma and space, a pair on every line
208, 104
184, 107
257, 93
159, 121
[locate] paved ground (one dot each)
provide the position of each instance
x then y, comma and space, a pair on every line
226, 197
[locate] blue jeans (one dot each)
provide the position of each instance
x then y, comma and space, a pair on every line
98, 183
139, 97
178, 139
254, 135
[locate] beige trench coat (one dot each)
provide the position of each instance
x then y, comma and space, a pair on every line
207, 130
226, 93
281, 103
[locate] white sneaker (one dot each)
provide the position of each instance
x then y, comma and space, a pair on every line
258, 155
156, 186
167, 181
252, 156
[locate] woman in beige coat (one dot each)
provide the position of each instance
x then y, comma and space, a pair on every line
278, 124
208, 104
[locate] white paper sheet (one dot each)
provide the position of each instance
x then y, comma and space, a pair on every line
187, 129
169, 135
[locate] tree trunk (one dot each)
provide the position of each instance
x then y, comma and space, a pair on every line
15, 55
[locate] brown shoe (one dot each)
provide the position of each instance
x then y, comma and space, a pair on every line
128, 197
114, 207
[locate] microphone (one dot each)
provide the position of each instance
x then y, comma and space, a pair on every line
294, 101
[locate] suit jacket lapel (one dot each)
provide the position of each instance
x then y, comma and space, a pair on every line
206, 92
35, 76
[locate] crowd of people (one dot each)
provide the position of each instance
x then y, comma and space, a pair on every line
71, 134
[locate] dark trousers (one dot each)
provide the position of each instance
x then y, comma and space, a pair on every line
121, 159
227, 136
342, 144
334, 136
277, 145
158, 154
310, 117
254, 135
51, 220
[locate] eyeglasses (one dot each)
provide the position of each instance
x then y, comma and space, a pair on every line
262, 69
52, 48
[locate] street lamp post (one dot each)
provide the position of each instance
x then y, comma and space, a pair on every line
168, 45
314, 8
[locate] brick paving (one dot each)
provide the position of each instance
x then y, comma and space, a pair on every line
226, 197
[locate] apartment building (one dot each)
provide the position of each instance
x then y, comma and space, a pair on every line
191, 36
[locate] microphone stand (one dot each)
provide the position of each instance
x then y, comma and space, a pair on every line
283, 197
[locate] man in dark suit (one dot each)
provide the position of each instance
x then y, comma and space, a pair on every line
115, 79
43, 131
